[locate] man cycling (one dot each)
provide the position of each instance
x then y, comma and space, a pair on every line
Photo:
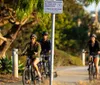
32, 50
94, 51
46, 48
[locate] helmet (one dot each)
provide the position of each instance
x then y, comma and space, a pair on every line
93, 35
45, 33
33, 35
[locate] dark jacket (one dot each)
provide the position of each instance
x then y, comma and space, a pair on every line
45, 45
93, 49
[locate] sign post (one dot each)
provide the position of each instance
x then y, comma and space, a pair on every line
53, 7
52, 48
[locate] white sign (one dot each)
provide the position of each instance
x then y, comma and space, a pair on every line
53, 6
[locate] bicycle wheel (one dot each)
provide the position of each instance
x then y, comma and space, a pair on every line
41, 69
90, 72
94, 72
44, 69
47, 67
26, 77
47, 70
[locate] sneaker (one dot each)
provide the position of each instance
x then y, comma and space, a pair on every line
40, 79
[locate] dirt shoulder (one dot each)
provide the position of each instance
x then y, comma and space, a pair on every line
8, 78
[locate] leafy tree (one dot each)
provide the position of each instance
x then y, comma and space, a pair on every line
20, 16
23, 17
66, 28
87, 2
91, 1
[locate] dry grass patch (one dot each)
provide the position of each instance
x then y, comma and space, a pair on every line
8, 79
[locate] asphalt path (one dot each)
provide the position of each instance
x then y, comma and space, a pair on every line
72, 75
69, 75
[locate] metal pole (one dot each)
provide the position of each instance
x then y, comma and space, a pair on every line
15, 62
52, 48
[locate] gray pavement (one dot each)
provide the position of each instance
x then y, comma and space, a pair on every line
72, 75
69, 75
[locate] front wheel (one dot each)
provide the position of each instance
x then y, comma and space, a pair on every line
26, 77
90, 72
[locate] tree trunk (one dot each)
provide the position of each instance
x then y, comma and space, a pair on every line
11, 36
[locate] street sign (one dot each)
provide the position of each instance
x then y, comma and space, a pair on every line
55, 6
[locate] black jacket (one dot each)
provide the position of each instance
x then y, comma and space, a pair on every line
45, 45
93, 49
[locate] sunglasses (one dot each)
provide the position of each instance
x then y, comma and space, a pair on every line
32, 38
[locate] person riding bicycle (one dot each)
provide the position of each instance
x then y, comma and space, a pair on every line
33, 50
45, 44
46, 49
94, 51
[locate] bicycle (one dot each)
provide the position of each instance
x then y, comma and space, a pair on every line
92, 69
46, 65
30, 75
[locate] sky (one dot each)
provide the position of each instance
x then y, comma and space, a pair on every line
92, 7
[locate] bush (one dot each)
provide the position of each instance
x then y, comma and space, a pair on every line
6, 65
64, 59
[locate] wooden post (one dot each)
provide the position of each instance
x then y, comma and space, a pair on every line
83, 57
15, 62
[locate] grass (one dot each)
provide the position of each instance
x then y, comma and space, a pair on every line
65, 59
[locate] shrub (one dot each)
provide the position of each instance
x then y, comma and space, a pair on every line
6, 65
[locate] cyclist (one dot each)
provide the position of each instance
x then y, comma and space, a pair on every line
46, 48
94, 51
33, 50
45, 43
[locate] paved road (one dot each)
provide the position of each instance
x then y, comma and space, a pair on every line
69, 75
